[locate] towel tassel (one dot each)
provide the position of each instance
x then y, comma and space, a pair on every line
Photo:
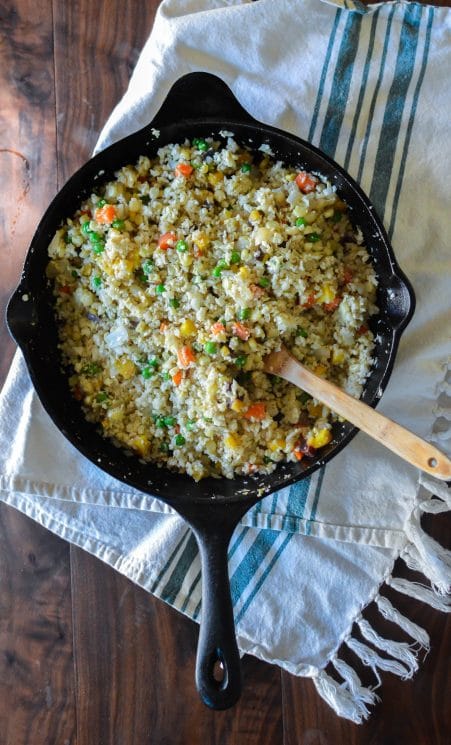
346, 699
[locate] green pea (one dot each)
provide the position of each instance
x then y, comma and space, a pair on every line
164, 447
147, 372
85, 228
92, 368
159, 289
66, 238
241, 360
97, 281
101, 203
154, 362
235, 257
159, 422
217, 271
181, 246
210, 347
246, 168
313, 237
118, 224
147, 266
101, 397
264, 282
244, 314
98, 248
190, 424
165, 376
95, 237
174, 303
169, 421
201, 145
179, 440
301, 332
299, 222
74, 274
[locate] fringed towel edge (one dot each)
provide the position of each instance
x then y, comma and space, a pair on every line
350, 698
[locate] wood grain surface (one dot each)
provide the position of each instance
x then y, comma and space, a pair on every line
86, 657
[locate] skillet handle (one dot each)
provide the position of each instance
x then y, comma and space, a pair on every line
217, 650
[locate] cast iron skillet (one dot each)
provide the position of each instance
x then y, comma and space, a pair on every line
198, 105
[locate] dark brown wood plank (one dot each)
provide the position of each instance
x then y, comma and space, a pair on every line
135, 672
36, 666
27, 139
37, 705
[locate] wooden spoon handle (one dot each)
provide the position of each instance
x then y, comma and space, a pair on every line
396, 438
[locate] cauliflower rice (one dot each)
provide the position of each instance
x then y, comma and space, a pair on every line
174, 281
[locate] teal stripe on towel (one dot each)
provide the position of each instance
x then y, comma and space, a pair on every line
362, 91
416, 94
169, 561
262, 578
322, 81
391, 124
315, 501
174, 583
375, 93
253, 559
296, 505
341, 84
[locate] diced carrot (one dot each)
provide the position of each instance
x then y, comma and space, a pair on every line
297, 454
330, 307
106, 214
311, 300
183, 169
256, 290
251, 468
347, 276
217, 328
256, 411
186, 356
240, 330
362, 329
177, 378
167, 240
164, 325
305, 182
66, 289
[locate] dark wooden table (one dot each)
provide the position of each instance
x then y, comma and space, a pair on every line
86, 657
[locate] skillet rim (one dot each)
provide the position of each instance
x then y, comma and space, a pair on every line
18, 315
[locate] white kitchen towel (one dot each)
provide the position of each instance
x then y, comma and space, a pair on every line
370, 87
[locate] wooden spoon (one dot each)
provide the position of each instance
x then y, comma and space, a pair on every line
401, 441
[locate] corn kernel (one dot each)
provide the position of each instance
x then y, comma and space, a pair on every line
115, 415
141, 444
290, 177
338, 356
315, 410
327, 294
187, 328
244, 272
225, 351
320, 370
215, 178
255, 216
320, 438
201, 240
232, 442
278, 444
238, 405
252, 344
300, 210
126, 368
